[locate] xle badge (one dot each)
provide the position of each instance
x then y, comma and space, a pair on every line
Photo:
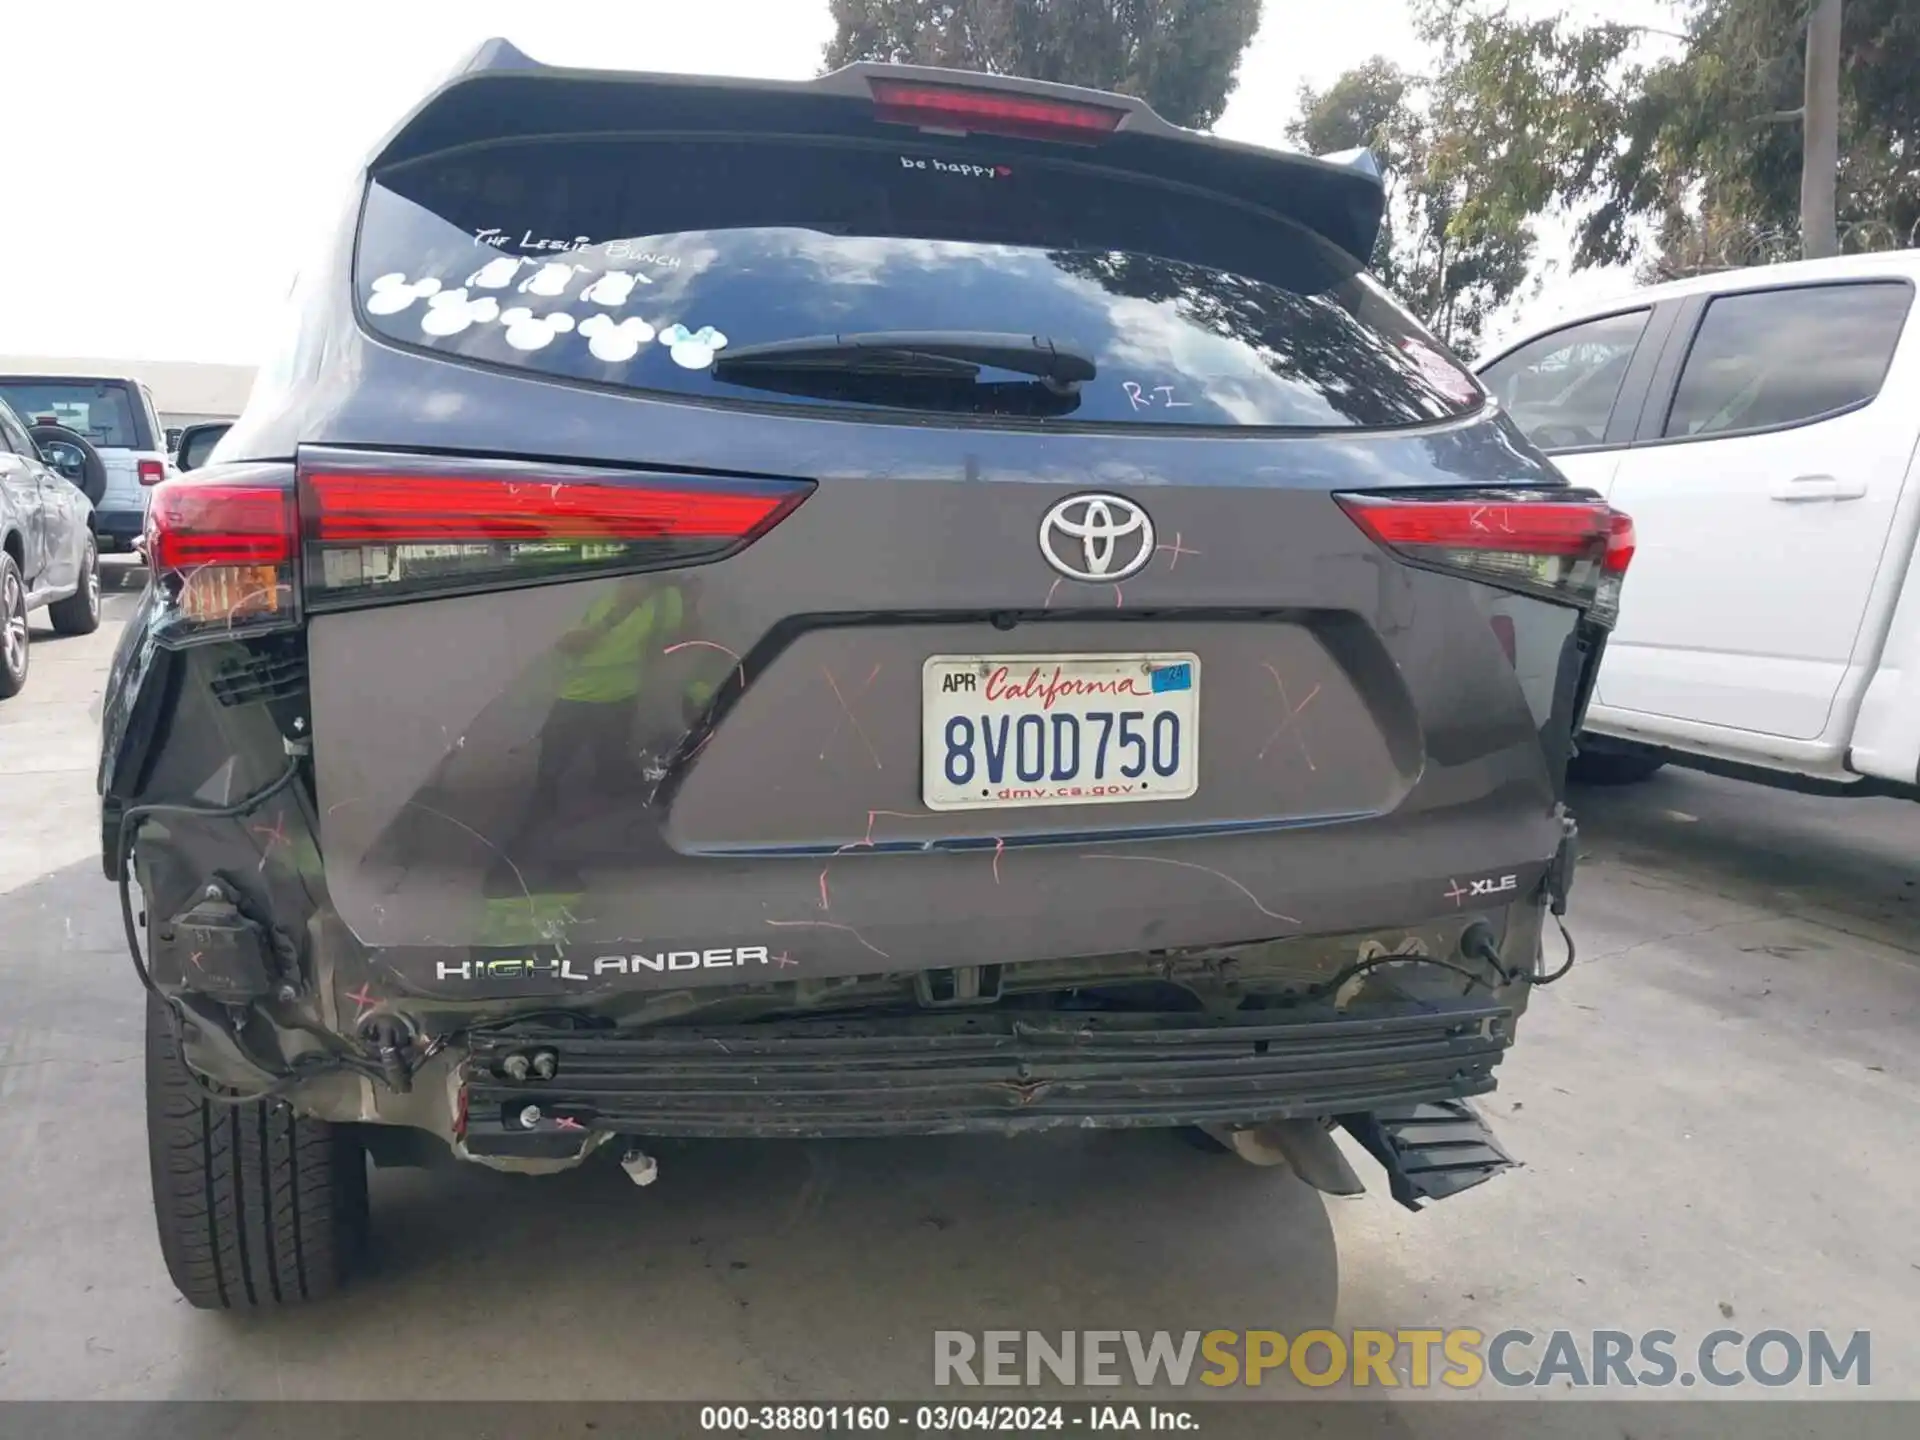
1479, 889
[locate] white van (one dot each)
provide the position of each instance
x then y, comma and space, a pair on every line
117, 414
1762, 428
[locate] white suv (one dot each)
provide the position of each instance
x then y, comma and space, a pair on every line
1762, 427
116, 413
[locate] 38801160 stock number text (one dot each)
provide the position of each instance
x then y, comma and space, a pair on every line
923, 1419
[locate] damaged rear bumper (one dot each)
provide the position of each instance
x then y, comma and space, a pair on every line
999, 1073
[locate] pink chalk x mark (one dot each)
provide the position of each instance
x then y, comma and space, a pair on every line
1289, 723
274, 836
363, 999
847, 717
1175, 550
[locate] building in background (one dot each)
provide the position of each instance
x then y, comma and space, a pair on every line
184, 392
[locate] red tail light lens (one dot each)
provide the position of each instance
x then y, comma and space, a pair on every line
152, 472
193, 524
226, 544
1620, 543
382, 509
386, 527
221, 548
991, 112
1566, 546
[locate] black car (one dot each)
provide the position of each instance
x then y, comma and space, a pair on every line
48, 555
909, 602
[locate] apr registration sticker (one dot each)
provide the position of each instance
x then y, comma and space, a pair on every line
1000, 731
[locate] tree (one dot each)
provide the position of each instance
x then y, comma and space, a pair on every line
1700, 151
1180, 56
1453, 266
1820, 125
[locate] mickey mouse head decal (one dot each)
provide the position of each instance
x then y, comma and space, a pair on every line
613, 288
528, 331
551, 278
450, 312
496, 274
693, 349
615, 341
394, 293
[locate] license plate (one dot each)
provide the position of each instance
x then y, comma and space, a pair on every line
999, 731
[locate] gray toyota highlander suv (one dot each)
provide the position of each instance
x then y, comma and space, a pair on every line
909, 602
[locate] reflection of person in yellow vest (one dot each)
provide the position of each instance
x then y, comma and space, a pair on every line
605, 661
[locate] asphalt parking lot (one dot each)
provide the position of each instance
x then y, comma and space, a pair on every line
1716, 1111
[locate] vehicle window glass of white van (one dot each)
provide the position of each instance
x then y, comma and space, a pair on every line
1560, 389
1783, 357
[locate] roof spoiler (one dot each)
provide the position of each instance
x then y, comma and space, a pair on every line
500, 93
1362, 159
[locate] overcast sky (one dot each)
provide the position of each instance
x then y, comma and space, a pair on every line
169, 166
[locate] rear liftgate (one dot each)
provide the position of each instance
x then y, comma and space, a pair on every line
254, 553
542, 1093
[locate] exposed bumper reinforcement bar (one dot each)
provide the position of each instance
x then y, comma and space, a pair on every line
993, 1072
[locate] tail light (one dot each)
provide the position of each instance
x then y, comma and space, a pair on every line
383, 527
221, 546
152, 472
991, 112
243, 547
1567, 546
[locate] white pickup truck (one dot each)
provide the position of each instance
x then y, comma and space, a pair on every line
1762, 428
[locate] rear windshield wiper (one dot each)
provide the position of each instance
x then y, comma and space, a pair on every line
923, 354
909, 389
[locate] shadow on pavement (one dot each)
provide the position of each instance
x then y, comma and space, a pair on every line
793, 1269
1849, 863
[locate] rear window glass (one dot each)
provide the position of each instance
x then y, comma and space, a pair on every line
102, 413
636, 263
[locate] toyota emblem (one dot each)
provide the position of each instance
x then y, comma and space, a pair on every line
1098, 538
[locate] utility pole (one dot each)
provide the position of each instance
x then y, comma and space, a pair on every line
1820, 133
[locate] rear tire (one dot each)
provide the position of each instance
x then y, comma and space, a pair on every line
257, 1207
13, 628
79, 613
1612, 767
